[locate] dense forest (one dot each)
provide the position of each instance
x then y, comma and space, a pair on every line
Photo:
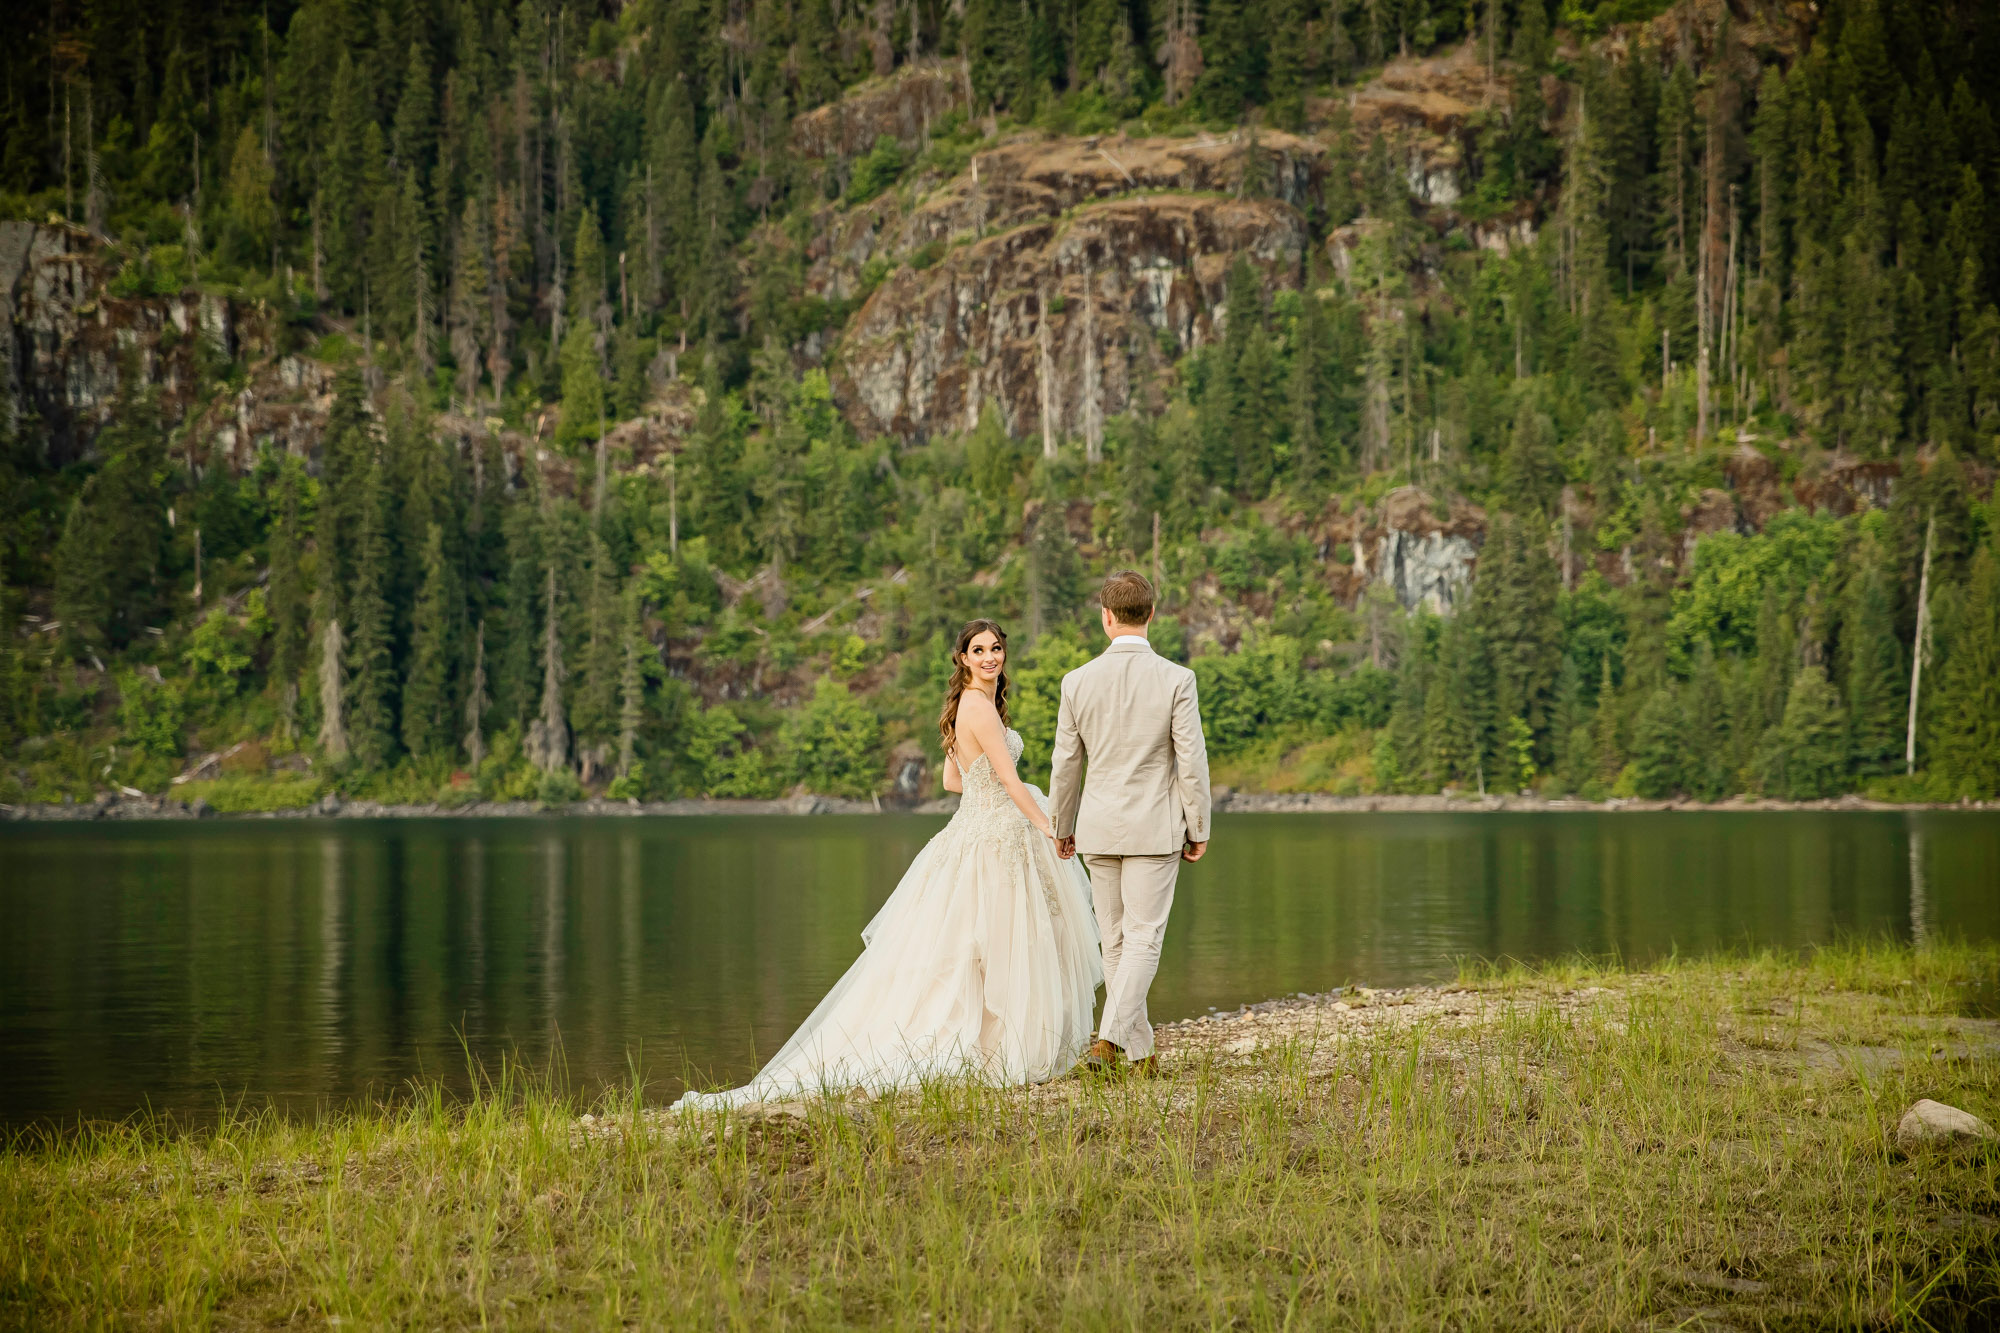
1753, 246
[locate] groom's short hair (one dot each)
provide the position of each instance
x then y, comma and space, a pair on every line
1128, 597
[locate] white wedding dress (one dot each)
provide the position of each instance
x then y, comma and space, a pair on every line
984, 962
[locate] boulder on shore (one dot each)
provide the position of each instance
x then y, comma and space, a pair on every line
1930, 1123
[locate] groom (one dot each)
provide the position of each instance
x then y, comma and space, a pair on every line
1132, 715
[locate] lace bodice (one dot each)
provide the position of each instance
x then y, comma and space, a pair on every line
985, 807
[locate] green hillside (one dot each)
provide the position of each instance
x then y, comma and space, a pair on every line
1671, 341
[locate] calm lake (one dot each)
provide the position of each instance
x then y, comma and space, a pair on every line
304, 963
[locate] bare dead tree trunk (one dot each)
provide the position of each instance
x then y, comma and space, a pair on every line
320, 292
1703, 335
1920, 645
332, 711
548, 735
1093, 409
603, 483
1045, 342
1157, 584
673, 510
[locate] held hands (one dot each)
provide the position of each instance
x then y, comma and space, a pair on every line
1193, 851
1066, 847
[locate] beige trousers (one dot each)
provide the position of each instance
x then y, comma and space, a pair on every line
1132, 895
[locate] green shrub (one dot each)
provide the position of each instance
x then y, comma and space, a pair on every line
833, 744
877, 171
559, 788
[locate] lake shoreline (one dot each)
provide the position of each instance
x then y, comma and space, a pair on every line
109, 806
1520, 1147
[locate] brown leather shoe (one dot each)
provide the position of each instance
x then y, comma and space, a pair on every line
1102, 1057
1149, 1067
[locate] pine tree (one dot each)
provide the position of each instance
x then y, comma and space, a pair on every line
476, 703
414, 141
594, 709
1704, 720
631, 694
1678, 189
108, 560
1872, 664
548, 734
1777, 662
352, 165
286, 598
1451, 738
1399, 759
14, 712
1657, 745
1805, 755
1306, 393
371, 701
427, 704
1966, 742
471, 306
1530, 475
1514, 608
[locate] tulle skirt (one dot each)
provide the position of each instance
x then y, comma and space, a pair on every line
983, 963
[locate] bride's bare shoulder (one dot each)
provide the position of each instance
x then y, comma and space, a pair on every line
975, 709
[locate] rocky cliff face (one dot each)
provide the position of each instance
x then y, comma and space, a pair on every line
1049, 269
1059, 313
67, 344
1426, 558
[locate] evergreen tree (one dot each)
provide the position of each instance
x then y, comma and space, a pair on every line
594, 707
1873, 668
289, 606
1514, 608
631, 694
1658, 756
1804, 757
427, 687
476, 702
108, 561
1704, 726
1967, 721
1450, 736
548, 734
371, 692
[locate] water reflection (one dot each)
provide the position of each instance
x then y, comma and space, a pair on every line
174, 966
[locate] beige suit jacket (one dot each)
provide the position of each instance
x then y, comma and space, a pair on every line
1132, 716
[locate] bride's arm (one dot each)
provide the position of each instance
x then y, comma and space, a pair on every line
951, 781
978, 717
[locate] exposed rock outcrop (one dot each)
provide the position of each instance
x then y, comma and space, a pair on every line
1424, 559
67, 343
932, 346
903, 105
1031, 177
1427, 107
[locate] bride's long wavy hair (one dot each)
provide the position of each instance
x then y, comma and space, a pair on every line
961, 676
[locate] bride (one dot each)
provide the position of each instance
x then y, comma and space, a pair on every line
984, 961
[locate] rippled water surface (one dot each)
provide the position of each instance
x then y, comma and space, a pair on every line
176, 966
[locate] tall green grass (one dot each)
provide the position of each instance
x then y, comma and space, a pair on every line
1705, 1141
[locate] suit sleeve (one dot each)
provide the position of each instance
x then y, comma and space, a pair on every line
1191, 760
1066, 767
